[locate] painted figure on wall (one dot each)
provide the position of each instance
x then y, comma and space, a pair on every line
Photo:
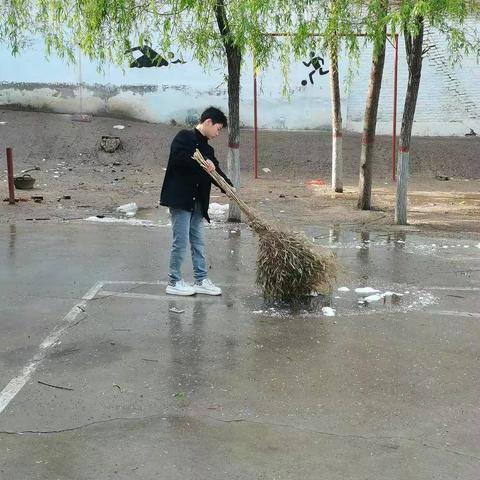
317, 63
150, 58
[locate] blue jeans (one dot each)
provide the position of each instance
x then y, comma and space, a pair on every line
187, 226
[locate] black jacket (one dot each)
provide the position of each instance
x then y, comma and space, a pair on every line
185, 180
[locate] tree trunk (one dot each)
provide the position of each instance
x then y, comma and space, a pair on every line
234, 59
337, 132
370, 125
414, 49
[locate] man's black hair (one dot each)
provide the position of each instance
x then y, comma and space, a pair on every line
215, 114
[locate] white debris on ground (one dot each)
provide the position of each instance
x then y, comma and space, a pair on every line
343, 289
129, 209
366, 290
376, 296
119, 127
128, 221
217, 211
266, 170
373, 298
355, 304
422, 299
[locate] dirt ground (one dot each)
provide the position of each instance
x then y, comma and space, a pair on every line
77, 179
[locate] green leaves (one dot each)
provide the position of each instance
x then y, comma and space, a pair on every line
103, 29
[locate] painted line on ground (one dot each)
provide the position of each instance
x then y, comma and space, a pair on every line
163, 282
133, 282
18, 382
143, 296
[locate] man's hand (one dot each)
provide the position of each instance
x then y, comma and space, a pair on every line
210, 166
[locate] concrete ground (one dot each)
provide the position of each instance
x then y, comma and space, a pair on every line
234, 388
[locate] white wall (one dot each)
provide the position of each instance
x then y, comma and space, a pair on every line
448, 104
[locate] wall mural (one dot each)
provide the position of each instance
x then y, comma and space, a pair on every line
317, 63
150, 58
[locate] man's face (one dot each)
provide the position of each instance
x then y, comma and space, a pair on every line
210, 129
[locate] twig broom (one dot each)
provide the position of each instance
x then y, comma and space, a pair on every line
289, 266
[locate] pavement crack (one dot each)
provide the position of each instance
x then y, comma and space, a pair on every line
68, 429
346, 435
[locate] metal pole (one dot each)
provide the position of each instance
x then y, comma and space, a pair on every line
255, 125
11, 186
395, 94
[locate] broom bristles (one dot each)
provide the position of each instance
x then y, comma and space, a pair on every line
289, 266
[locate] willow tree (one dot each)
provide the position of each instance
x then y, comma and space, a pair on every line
16, 24
376, 27
103, 30
447, 16
341, 28
329, 25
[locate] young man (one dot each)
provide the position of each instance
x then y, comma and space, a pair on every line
186, 191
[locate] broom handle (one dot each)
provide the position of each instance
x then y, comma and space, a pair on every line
249, 212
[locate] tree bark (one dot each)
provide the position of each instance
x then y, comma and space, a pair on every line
234, 60
337, 132
370, 125
414, 50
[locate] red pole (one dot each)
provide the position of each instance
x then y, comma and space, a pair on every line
395, 90
255, 125
11, 187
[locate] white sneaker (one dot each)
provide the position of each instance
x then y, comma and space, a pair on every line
180, 288
207, 287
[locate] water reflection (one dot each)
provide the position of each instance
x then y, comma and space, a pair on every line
187, 341
12, 240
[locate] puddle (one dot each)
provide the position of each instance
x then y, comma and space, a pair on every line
337, 239
345, 302
159, 217
128, 221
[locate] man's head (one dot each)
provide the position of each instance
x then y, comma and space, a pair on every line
212, 121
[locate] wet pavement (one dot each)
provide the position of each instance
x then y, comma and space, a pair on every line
234, 388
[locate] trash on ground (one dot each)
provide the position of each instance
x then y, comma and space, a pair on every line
24, 182
328, 311
129, 221
82, 117
110, 144
54, 386
128, 209
217, 211
373, 298
365, 290
317, 182
176, 310
119, 127
266, 170
37, 198
316, 186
